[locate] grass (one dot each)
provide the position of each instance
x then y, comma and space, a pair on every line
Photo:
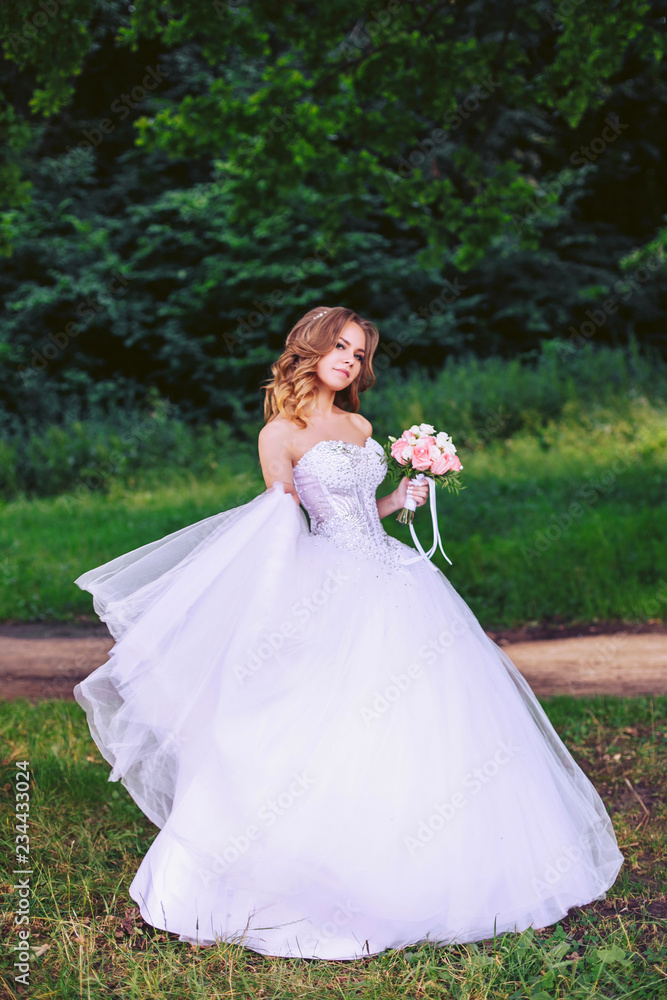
88, 837
47, 543
519, 553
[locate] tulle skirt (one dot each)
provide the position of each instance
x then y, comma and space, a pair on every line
338, 758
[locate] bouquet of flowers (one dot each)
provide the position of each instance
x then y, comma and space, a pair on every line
422, 450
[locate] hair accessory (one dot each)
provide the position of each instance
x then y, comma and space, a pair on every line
321, 314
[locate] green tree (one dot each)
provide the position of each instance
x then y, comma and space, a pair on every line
187, 179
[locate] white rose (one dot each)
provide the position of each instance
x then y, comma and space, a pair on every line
414, 430
442, 439
426, 429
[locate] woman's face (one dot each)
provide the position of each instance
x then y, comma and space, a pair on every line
342, 364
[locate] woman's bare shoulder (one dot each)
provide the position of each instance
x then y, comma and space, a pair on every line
362, 424
277, 434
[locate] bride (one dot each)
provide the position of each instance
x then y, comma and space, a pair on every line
338, 757
301, 400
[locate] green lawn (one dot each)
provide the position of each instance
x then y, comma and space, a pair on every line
88, 837
565, 522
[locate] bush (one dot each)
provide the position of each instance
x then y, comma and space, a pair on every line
479, 400
475, 400
83, 455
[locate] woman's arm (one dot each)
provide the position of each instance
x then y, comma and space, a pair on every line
396, 499
275, 458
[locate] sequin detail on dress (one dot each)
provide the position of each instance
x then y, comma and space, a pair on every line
336, 482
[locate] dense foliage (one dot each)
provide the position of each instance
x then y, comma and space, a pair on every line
182, 179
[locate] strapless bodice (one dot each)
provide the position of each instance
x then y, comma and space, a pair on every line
336, 482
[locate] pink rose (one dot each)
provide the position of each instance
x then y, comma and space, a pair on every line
446, 463
398, 449
421, 456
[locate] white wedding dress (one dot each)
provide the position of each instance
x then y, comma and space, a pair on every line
339, 758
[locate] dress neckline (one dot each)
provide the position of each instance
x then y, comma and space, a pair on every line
353, 444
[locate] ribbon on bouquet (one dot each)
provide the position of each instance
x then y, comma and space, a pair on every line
437, 541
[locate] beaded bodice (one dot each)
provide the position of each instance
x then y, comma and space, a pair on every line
336, 483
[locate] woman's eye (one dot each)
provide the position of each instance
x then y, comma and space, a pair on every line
359, 357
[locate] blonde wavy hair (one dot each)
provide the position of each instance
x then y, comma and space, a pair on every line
292, 390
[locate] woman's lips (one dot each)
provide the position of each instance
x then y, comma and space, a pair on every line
342, 371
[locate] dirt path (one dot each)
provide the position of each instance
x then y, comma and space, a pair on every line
46, 660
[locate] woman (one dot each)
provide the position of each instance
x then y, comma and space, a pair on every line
339, 758
308, 386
